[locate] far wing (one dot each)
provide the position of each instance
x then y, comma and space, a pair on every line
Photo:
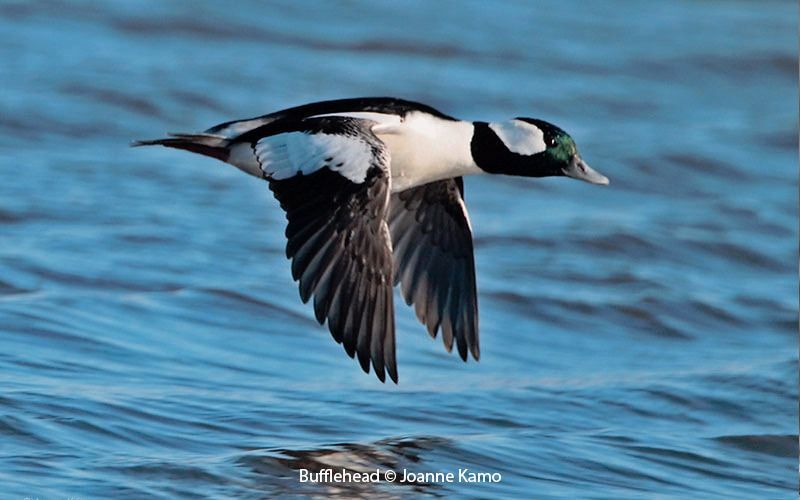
433, 261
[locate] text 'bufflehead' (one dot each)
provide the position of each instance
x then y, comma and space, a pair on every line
373, 194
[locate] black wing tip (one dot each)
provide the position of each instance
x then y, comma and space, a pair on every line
381, 373
472, 348
476, 352
464, 348
364, 361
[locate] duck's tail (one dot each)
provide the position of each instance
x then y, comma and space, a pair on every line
215, 146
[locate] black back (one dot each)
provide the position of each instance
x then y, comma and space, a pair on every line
388, 105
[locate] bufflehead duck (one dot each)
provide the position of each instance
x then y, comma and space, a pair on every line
373, 194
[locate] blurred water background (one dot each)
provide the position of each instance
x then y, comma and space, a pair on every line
638, 341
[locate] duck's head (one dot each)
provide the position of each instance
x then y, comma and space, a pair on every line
531, 148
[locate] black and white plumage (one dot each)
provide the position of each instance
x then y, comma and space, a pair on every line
373, 194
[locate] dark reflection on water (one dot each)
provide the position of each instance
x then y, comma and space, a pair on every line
638, 340
401, 454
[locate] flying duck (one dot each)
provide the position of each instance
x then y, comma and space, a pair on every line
373, 194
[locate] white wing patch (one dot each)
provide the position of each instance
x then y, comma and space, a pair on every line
520, 137
285, 155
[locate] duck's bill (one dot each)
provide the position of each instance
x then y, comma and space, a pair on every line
578, 169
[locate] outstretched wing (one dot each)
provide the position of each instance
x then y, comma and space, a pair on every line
331, 176
434, 262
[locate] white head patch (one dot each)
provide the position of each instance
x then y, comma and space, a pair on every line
520, 137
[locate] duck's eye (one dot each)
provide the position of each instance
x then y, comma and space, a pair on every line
550, 141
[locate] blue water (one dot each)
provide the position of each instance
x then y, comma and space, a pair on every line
638, 341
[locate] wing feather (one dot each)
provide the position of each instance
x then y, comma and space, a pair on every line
434, 261
332, 180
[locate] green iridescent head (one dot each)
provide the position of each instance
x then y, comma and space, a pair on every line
560, 146
560, 155
529, 147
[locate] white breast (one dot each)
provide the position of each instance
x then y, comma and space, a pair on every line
425, 148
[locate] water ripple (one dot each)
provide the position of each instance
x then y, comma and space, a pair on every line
637, 340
